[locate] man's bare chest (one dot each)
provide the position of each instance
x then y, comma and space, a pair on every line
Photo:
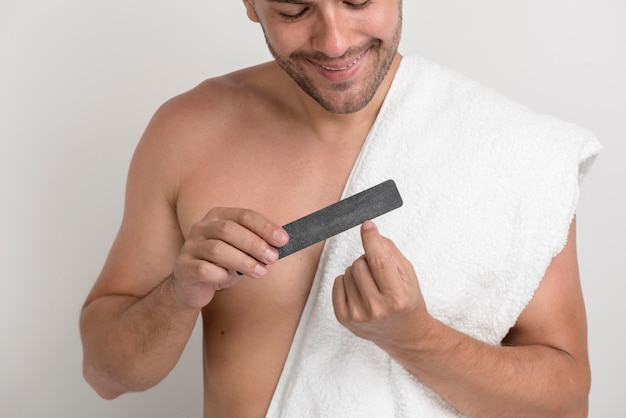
282, 186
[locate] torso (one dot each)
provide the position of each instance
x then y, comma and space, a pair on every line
252, 153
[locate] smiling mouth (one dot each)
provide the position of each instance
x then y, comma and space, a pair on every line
345, 67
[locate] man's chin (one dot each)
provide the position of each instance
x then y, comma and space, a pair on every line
343, 108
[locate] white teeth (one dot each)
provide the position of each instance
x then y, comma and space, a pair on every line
342, 68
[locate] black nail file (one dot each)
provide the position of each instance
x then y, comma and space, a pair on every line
341, 216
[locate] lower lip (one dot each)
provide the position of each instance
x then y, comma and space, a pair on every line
344, 74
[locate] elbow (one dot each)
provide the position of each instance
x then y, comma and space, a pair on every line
578, 409
95, 372
575, 403
103, 367
110, 385
581, 387
581, 399
105, 385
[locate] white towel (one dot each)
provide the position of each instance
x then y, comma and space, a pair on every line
489, 191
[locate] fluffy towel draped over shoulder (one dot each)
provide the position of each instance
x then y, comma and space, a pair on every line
489, 188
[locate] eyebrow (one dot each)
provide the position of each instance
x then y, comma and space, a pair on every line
288, 1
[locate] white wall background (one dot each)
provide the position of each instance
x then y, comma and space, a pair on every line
79, 81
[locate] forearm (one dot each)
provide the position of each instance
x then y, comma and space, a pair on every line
495, 381
131, 344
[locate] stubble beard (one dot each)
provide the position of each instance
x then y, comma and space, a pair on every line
339, 98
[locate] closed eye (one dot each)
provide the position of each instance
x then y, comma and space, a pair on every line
294, 15
357, 6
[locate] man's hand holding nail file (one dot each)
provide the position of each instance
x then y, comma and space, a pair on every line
230, 239
339, 217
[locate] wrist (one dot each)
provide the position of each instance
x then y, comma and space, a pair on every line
420, 341
177, 298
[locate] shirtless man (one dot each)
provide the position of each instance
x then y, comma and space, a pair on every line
217, 172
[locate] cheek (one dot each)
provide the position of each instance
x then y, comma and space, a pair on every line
284, 42
383, 25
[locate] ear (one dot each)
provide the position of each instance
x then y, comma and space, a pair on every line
251, 11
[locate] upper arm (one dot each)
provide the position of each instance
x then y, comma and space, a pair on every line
555, 316
149, 237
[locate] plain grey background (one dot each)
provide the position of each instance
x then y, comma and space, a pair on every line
79, 81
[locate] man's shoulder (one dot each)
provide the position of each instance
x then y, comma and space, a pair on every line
221, 94
212, 105
207, 117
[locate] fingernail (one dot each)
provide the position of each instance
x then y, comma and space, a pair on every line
259, 270
270, 255
280, 236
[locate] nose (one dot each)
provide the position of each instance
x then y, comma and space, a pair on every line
332, 33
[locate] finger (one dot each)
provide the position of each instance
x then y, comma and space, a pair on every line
201, 272
340, 302
233, 279
363, 279
236, 235
379, 258
403, 265
361, 293
247, 230
354, 296
231, 258
252, 220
